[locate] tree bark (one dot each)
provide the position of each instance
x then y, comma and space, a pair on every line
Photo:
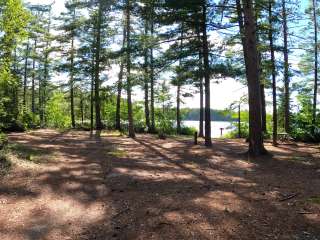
263, 106
201, 112
152, 77
146, 81
33, 108
239, 120
208, 141
274, 82
92, 94
256, 146
81, 108
97, 68
178, 109
73, 123
315, 87
286, 70
262, 84
179, 83
119, 85
25, 78
119, 90
130, 114
201, 134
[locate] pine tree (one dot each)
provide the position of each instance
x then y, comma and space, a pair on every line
247, 27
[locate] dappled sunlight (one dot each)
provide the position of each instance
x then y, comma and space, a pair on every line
150, 189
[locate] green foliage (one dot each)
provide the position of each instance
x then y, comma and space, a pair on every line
244, 126
189, 131
193, 114
5, 163
314, 199
3, 140
109, 113
27, 153
302, 128
13, 21
58, 111
165, 125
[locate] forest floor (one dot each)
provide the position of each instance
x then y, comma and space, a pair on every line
72, 185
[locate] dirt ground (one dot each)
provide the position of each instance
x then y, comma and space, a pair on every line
75, 186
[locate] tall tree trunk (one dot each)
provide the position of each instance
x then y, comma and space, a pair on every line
15, 91
119, 90
152, 77
201, 113
256, 146
43, 119
178, 109
146, 81
179, 83
286, 70
40, 97
262, 84
92, 93
25, 78
146, 97
239, 120
263, 106
201, 134
206, 69
97, 68
81, 108
274, 82
130, 116
119, 85
73, 123
315, 87
33, 108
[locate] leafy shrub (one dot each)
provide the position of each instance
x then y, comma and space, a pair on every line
244, 127
14, 126
27, 120
306, 134
188, 130
84, 126
5, 163
3, 140
58, 111
139, 127
165, 126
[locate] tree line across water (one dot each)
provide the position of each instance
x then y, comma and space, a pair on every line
55, 70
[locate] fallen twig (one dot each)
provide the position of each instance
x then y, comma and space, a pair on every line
305, 212
289, 197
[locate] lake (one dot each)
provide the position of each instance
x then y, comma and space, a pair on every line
215, 127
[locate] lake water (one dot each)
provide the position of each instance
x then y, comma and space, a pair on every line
215, 127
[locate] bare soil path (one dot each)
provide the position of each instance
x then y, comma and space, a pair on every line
75, 186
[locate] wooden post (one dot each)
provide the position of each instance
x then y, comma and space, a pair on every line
195, 138
221, 131
239, 121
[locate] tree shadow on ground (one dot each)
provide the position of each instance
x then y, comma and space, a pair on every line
119, 188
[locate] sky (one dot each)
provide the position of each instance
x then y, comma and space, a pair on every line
222, 94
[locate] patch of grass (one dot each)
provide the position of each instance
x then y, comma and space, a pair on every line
314, 199
111, 133
300, 159
27, 153
119, 153
5, 164
3, 140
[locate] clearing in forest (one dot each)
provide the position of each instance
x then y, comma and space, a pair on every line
75, 186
